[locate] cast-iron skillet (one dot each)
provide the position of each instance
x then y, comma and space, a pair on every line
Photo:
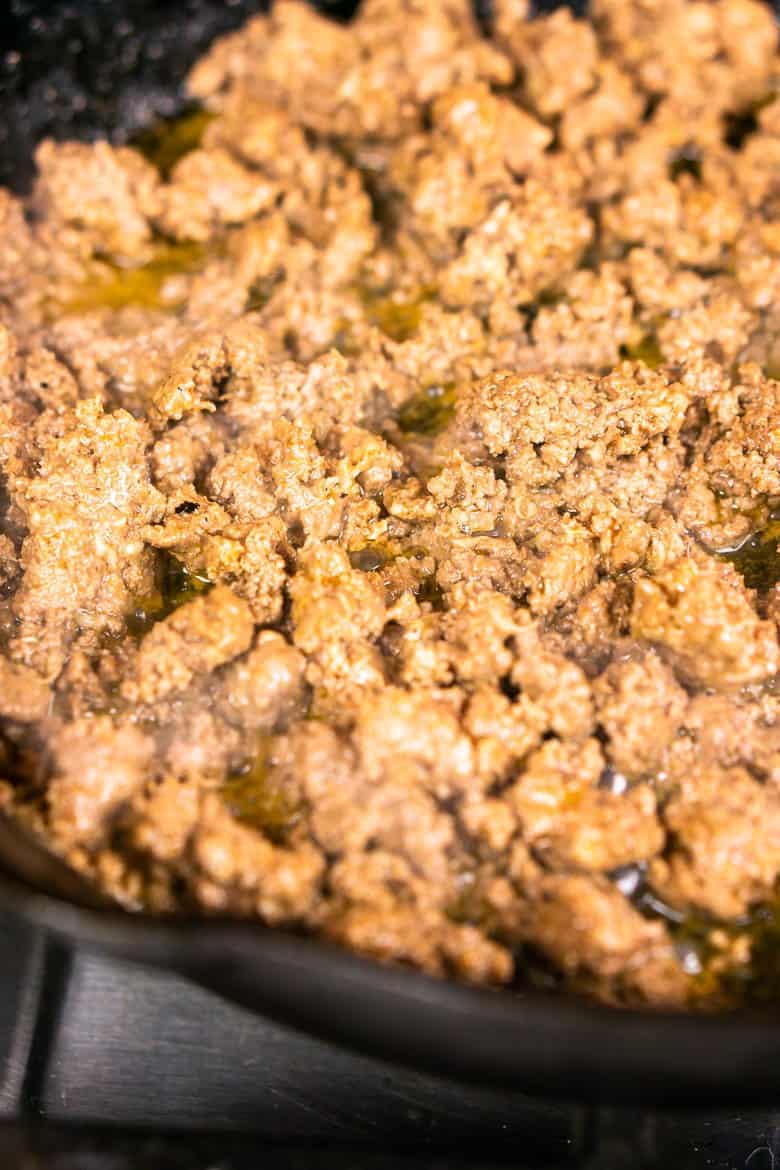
79, 69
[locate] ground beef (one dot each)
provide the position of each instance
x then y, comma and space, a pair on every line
24, 695
264, 686
82, 506
195, 639
640, 706
532, 256
97, 764
102, 197
389, 493
724, 851
209, 190
590, 931
701, 615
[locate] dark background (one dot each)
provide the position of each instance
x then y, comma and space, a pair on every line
107, 1065
80, 69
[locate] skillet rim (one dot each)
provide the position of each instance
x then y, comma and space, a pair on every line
536, 1042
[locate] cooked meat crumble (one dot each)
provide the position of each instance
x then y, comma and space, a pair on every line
390, 494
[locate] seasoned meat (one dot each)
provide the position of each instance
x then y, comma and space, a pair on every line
195, 639
725, 838
263, 686
390, 493
82, 505
641, 707
97, 765
24, 695
702, 616
102, 197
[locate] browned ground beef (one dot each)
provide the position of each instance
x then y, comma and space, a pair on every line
389, 494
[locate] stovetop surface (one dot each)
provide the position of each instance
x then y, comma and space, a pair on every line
112, 1066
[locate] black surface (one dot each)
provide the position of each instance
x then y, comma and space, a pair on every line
118, 1067
22, 959
744, 1146
542, 1044
104, 1042
85, 68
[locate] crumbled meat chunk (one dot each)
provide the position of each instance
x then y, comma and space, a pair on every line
701, 614
83, 559
540, 423
574, 824
725, 838
110, 365
24, 695
165, 817
557, 55
248, 557
198, 745
97, 766
48, 380
428, 941
588, 929
322, 388
689, 225
721, 52
197, 638
395, 728
640, 706
332, 601
364, 83
556, 685
181, 454
194, 380
209, 189
104, 195
280, 884
586, 329
265, 686
516, 252
735, 473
